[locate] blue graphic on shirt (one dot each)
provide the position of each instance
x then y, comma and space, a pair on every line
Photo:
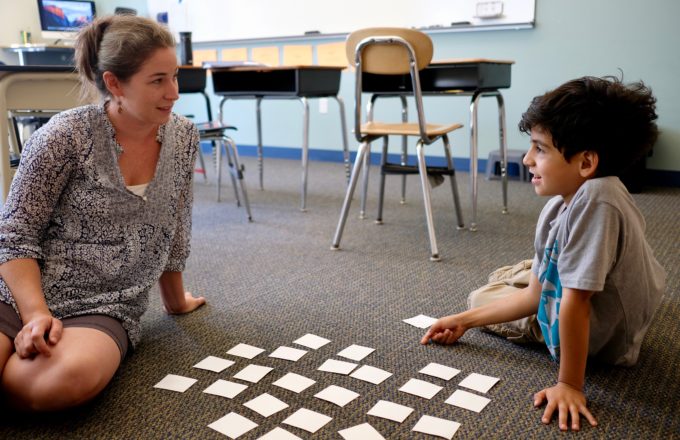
551, 296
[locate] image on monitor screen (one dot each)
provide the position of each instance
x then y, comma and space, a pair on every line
65, 15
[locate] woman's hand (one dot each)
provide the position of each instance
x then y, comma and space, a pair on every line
570, 403
191, 303
36, 337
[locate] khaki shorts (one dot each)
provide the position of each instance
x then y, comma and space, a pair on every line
10, 325
503, 282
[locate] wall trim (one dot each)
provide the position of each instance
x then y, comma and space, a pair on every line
652, 177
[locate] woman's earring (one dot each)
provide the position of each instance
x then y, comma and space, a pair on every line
120, 107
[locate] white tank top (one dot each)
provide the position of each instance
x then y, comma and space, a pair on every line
137, 190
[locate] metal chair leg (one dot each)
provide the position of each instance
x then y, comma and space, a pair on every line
237, 173
404, 148
232, 171
364, 184
381, 195
422, 168
218, 168
343, 128
358, 162
201, 159
454, 184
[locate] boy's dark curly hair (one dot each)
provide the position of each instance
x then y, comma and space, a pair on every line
597, 114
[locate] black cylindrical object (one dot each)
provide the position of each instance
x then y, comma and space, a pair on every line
186, 53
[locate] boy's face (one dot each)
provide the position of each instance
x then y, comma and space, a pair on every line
553, 175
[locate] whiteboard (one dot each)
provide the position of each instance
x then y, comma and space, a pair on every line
223, 20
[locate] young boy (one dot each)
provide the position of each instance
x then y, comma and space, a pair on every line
594, 283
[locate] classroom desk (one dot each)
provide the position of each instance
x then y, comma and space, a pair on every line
42, 54
475, 77
289, 82
46, 89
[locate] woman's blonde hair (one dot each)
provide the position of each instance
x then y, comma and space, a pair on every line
119, 44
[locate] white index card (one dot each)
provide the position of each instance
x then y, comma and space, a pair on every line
421, 321
310, 421
337, 395
288, 353
279, 434
294, 382
215, 364
463, 399
253, 373
390, 411
356, 352
420, 388
440, 371
232, 425
266, 405
361, 432
339, 367
245, 351
436, 426
225, 388
479, 382
311, 341
173, 382
370, 374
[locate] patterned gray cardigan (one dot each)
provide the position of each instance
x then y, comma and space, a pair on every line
99, 247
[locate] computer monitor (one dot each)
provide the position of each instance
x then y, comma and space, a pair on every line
61, 19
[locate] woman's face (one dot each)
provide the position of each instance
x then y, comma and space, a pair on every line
149, 94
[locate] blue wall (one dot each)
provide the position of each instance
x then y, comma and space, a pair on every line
571, 39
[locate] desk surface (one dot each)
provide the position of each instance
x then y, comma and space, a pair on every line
454, 61
445, 76
278, 68
5, 69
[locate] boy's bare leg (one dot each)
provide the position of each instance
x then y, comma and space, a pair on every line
82, 363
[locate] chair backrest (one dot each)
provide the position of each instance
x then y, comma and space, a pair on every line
383, 57
389, 51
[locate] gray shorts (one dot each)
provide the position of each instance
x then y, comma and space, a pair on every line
10, 325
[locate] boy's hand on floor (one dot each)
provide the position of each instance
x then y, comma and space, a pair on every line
446, 330
569, 402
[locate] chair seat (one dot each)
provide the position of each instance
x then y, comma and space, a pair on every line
406, 129
206, 129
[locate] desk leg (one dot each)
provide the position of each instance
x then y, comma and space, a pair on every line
4, 151
504, 149
258, 118
473, 158
367, 160
218, 168
404, 148
343, 127
305, 152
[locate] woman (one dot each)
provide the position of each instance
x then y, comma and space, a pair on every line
98, 212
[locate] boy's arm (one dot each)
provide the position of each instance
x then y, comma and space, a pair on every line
567, 395
175, 299
524, 303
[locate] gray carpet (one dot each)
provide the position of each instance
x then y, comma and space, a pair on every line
272, 281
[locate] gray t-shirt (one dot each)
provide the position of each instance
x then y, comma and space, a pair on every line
597, 243
100, 247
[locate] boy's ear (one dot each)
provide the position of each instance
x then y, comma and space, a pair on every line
589, 162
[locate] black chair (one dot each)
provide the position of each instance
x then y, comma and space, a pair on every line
193, 80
